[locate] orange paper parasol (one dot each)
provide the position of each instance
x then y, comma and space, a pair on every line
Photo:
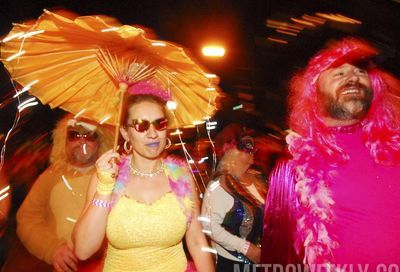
77, 62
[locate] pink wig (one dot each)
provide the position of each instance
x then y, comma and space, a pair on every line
316, 146
382, 122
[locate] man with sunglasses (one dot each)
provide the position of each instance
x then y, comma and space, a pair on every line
48, 214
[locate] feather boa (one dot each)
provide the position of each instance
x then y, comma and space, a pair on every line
316, 206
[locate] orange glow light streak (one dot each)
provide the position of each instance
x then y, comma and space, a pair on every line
349, 19
277, 40
314, 19
285, 25
303, 22
286, 32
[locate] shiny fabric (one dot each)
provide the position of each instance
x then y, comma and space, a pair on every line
146, 237
79, 61
280, 217
365, 210
241, 222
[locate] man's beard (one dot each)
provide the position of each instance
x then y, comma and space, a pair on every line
346, 111
79, 157
349, 108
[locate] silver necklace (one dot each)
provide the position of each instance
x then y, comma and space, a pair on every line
137, 172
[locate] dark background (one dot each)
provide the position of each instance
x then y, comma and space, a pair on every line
255, 70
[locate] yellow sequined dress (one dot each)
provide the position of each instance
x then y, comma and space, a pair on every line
146, 237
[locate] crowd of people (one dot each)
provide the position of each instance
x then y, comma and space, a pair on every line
330, 202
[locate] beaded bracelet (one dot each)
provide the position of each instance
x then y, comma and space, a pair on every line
101, 203
245, 248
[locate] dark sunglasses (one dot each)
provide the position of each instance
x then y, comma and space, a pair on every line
246, 144
73, 135
142, 125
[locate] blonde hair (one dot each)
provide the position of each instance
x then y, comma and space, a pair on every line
59, 157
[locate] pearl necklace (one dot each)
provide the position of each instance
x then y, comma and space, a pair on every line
136, 172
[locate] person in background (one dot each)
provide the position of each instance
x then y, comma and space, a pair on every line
48, 214
233, 208
143, 203
334, 205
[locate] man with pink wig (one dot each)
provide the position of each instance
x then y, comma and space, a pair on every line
334, 205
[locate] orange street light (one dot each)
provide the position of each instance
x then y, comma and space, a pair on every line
213, 51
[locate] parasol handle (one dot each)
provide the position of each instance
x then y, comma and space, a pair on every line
122, 89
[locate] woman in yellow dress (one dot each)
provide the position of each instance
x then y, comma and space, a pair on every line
143, 203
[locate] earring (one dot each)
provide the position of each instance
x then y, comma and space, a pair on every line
128, 147
169, 143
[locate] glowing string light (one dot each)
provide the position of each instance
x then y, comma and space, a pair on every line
110, 29
204, 219
27, 106
208, 249
211, 125
158, 44
26, 88
104, 119
203, 160
214, 154
214, 185
79, 113
176, 132
9, 38
30, 34
26, 102
196, 123
16, 55
211, 75
237, 107
182, 144
66, 183
3, 196
5, 189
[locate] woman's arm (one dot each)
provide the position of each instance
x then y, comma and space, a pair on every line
196, 240
90, 230
216, 204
